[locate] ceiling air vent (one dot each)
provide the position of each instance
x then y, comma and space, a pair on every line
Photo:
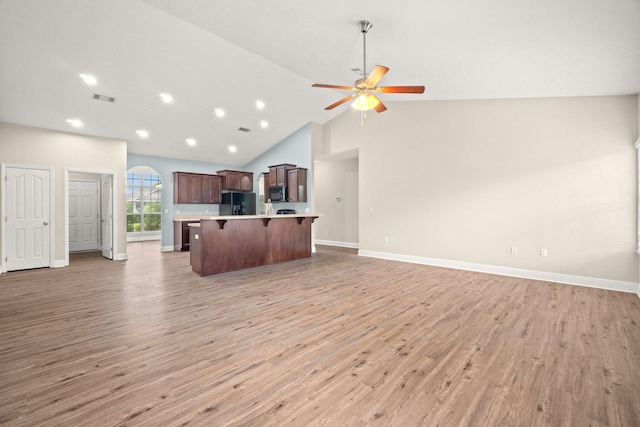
104, 98
245, 130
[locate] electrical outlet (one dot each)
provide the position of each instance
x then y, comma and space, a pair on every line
514, 250
543, 252
386, 240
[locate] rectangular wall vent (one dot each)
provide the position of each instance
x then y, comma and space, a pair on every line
104, 98
245, 130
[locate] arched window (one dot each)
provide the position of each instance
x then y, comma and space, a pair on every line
144, 203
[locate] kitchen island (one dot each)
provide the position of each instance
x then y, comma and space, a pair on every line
226, 243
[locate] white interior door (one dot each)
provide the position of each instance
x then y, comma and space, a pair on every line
83, 216
28, 206
106, 215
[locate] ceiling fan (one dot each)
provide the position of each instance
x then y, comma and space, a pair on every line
365, 88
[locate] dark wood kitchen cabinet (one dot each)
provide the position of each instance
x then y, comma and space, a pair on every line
211, 189
190, 188
181, 234
187, 187
297, 183
236, 180
278, 174
265, 185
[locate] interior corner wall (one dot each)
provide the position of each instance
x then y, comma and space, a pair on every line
165, 167
296, 149
469, 180
30, 146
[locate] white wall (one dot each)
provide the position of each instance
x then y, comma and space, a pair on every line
296, 149
336, 196
29, 146
468, 180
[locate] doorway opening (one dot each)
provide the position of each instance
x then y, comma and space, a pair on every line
90, 223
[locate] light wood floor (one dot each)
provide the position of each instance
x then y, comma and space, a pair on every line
332, 340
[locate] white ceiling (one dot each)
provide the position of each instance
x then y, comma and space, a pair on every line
228, 53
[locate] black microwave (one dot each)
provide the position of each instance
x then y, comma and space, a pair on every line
278, 193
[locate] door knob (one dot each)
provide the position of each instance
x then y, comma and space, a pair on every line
45, 223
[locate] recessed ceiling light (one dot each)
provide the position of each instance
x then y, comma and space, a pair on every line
219, 112
88, 79
259, 104
191, 141
166, 98
233, 148
264, 124
76, 123
142, 133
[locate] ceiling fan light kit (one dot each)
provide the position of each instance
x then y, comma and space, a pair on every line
365, 89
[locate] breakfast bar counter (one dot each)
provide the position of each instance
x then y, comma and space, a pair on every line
219, 244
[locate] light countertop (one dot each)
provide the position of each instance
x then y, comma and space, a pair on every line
245, 217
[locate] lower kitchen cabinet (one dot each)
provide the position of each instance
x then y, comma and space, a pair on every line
181, 234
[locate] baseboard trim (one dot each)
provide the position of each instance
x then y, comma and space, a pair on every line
58, 263
142, 238
120, 257
166, 248
336, 243
591, 282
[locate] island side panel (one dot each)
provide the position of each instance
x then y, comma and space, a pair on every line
288, 239
195, 253
238, 244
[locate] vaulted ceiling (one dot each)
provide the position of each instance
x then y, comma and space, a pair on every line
228, 54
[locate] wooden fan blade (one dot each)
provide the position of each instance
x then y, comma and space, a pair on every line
332, 86
380, 107
401, 89
378, 72
342, 101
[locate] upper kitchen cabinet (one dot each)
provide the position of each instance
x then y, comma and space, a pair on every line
297, 182
196, 188
236, 180
211, 189
278, 174
187, 187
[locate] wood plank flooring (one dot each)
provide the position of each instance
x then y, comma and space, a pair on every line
332, 340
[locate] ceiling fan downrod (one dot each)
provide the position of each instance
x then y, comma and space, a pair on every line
365, 26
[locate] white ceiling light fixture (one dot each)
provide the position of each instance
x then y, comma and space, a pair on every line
88, 79
166, 98
76, 123
260, 104
233, 148
191, 142
142, 133
264, 124
219, 112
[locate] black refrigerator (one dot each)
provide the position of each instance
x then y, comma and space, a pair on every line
237, 203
